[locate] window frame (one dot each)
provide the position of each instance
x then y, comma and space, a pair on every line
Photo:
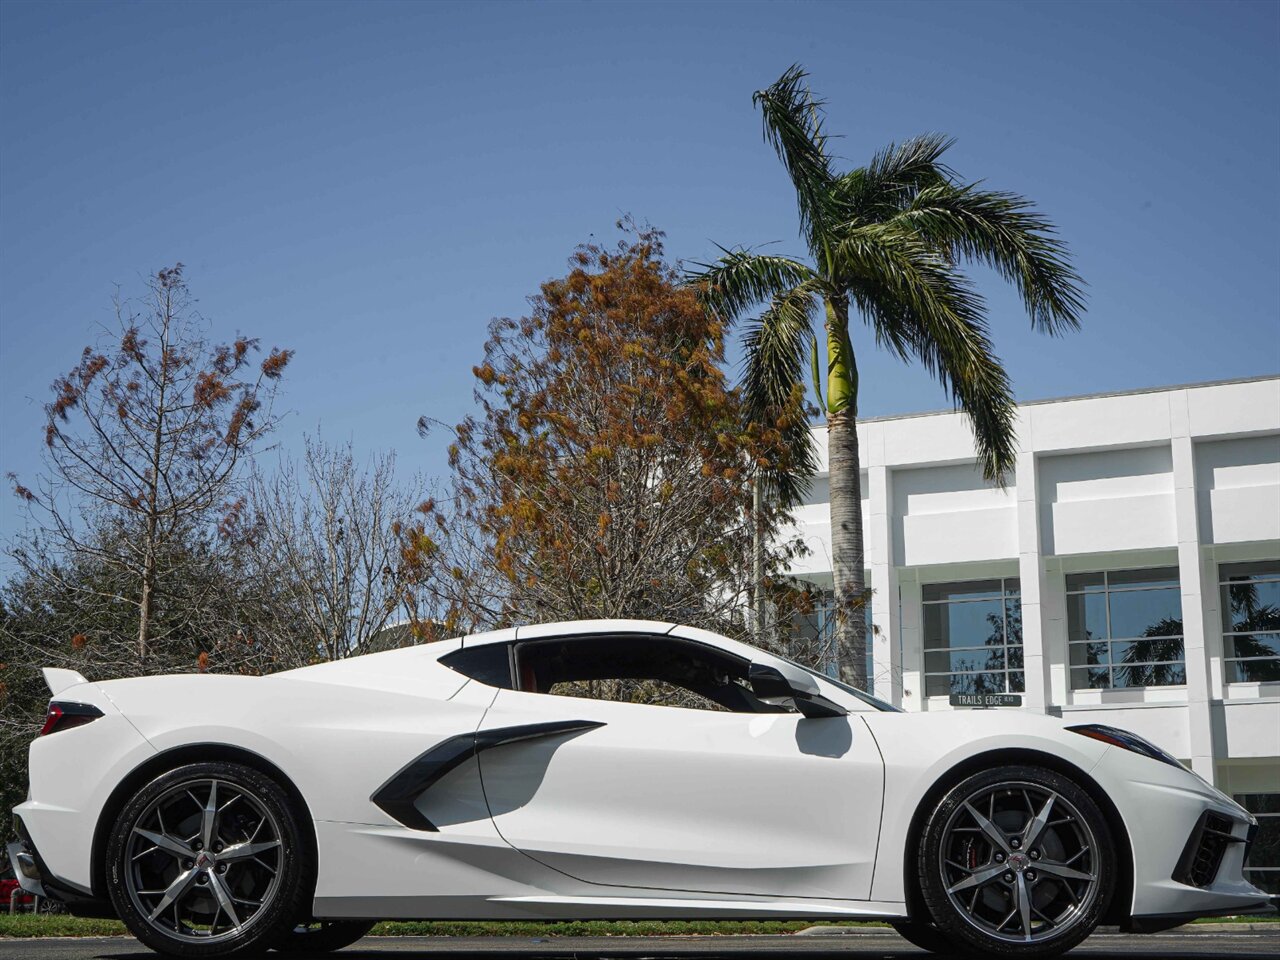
1228, 631
1105, 590
739, 663
1002, 595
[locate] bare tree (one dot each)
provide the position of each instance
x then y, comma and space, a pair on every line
327, 533
146, 435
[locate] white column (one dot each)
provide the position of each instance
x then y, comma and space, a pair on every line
1053, 619
886, 640
1195, 590
911, 631
1031, 572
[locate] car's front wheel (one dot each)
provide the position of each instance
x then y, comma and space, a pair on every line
208, 861
1017, 861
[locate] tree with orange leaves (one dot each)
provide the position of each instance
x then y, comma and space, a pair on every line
144, 441
610, 471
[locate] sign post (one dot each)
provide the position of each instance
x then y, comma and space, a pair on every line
984, 700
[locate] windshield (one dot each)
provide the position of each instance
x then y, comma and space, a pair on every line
852, 691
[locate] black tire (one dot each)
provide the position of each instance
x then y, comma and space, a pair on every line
983, 837
280, 876
322, 936
924, 935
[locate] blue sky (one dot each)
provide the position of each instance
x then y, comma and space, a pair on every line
369, 183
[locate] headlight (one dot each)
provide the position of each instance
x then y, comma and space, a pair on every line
1126, 741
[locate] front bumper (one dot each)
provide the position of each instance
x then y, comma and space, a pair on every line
1188, 843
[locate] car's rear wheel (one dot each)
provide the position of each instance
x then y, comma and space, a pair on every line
208, 861
1017, 861
322, 936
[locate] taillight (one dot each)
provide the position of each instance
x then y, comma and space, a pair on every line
63, 716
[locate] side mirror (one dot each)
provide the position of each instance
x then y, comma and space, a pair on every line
787, 686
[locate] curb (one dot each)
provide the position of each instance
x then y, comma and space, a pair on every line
1192, 928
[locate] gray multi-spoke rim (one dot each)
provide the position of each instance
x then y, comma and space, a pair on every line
1019, 862
203, 861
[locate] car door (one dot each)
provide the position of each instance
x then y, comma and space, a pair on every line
679, 799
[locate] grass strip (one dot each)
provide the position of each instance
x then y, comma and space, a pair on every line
65, 925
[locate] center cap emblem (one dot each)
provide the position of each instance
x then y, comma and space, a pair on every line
1018, 861
203, 861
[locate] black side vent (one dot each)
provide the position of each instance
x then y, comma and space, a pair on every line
1202, 856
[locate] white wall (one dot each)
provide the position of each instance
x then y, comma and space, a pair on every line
1112, 500
1238, 489
1184, 476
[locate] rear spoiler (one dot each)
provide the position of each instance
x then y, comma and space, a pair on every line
59, 679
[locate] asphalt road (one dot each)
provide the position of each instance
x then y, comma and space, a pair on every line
1248, 945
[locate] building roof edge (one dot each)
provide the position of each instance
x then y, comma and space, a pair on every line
1082, 396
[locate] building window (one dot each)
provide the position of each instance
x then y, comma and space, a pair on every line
973, 637
1262, 869
1125, 629
812, 637
1251, 620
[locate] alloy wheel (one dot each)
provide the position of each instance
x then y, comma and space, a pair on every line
203, 861
1019, 862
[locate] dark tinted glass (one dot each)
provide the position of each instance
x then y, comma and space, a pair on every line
1259, 802
1090, 654
977, 683
1090, 678
1256, 570
1130, 579
976, 624
1145, 613
1266, 847
1252, 605
1253, 671
490, 664
1085, 581
972, 590
1254, 645
1087, 616
943, 661
1149, 675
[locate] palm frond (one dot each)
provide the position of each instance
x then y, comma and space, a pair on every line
893, 177
1004, 231
741, 280
921, 306
778, 345
793, 126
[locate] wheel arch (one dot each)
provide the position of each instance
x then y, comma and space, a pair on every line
1122, 897
172, 759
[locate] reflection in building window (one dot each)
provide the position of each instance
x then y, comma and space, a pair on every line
812, 638
1262, 869
1251, 620
1125, 629
973, 637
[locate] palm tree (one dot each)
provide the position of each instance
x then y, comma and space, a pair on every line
886, 241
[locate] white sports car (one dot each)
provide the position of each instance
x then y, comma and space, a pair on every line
606, 769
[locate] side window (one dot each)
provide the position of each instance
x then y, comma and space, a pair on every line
652, 670
490, 664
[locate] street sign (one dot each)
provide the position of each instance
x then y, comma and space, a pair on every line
986, 700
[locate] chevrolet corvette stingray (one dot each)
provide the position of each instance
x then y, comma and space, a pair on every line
604, 769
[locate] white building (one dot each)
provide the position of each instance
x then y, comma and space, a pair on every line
1128, 575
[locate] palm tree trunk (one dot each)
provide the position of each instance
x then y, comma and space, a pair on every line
845, 478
